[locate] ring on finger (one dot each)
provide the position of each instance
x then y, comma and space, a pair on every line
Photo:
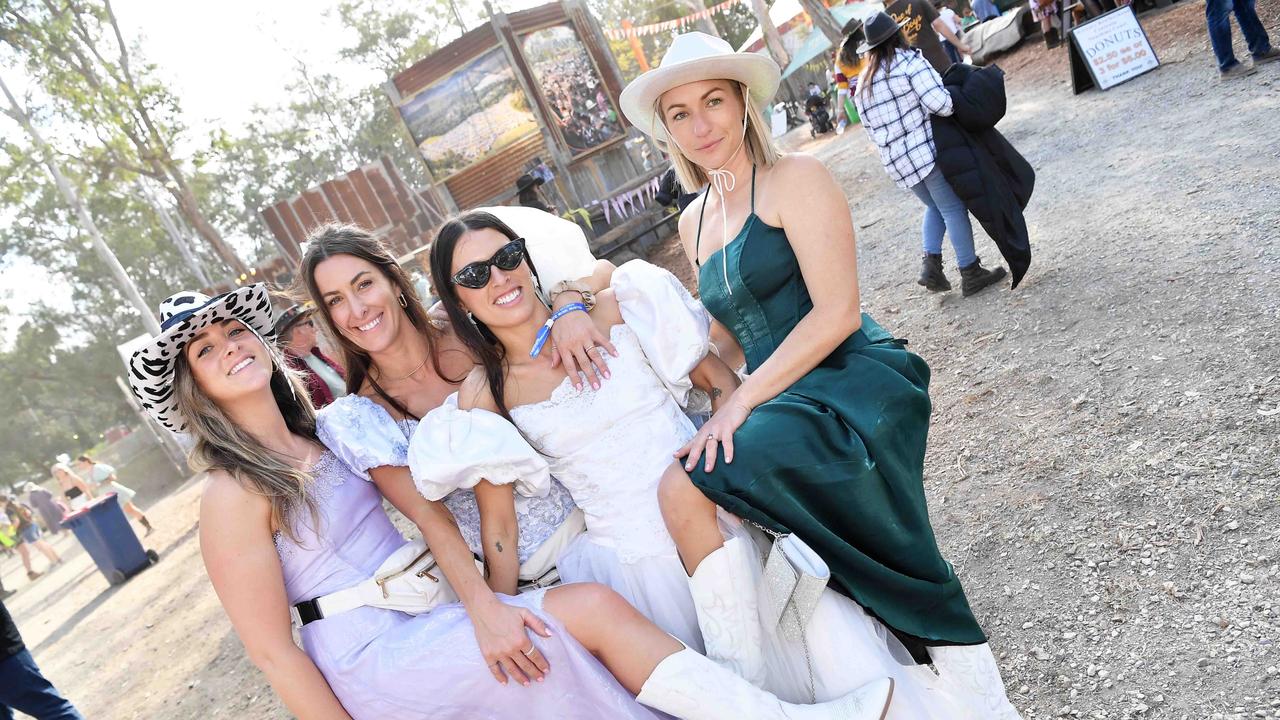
711, 437
529, 653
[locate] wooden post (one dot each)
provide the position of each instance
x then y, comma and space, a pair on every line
637, 48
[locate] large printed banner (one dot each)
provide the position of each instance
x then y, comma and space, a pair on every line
580, 107
471, 113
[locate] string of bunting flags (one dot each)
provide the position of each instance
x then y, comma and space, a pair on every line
669, 25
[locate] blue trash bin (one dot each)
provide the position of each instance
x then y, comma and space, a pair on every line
105, 533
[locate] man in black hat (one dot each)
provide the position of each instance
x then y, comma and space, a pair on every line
528, 195
296, 334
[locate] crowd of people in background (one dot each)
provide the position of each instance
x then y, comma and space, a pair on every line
578, 101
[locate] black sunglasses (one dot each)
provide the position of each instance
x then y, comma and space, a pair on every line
476, 275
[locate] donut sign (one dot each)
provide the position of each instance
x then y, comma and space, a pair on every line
1109, 50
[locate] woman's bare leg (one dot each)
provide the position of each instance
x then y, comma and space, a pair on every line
26, 557
628, 644
690, 517
52, 555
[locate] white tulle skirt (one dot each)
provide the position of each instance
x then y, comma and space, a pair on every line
656, 585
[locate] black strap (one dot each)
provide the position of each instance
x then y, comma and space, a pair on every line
697, 239
753, 189
309, 611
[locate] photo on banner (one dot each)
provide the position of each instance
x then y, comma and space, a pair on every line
577, 99
469, 114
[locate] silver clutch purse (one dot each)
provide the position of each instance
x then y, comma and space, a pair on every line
794, 578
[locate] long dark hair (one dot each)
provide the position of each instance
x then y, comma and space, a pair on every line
849, 48
334, 239
882, 56
482, 343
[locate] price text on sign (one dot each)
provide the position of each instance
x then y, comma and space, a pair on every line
1115, 47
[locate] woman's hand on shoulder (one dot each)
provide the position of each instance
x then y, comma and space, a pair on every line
578, 343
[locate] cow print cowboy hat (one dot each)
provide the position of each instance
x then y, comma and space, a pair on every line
182, 316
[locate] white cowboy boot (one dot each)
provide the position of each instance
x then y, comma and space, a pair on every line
689, 686
728, 611
973, 668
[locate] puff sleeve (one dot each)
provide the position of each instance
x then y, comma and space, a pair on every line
558, 247
453, 449
673, 328
362, 434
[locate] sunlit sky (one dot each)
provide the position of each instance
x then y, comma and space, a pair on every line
220, 59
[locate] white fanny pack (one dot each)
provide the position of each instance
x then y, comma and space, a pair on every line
408, 580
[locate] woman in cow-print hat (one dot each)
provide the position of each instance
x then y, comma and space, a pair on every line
293, 538
183, 316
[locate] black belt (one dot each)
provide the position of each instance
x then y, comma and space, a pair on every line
309, 611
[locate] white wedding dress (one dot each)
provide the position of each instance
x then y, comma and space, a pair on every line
609, 448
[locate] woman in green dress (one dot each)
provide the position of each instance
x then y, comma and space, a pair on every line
825, 438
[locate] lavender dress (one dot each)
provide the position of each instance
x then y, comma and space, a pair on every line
387, 664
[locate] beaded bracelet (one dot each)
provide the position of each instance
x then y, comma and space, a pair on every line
545, 331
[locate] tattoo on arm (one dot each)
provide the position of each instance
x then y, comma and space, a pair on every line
716, 393
498, 544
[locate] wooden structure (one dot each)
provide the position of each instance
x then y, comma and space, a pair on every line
375, 197
584, 177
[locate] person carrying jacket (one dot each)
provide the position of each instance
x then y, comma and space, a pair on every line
988, 175
897, 93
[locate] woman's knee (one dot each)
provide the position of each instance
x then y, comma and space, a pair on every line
674, 491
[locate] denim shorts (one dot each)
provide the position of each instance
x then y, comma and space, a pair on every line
31, 534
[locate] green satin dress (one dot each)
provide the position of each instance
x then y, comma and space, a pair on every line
838, 457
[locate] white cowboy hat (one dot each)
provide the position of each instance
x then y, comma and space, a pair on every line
692, 57
182, 316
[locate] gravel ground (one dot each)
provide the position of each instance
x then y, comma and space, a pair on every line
1104, 457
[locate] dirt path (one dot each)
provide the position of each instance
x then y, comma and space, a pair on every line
1104, 458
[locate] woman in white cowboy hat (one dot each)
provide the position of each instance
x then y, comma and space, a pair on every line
283, 520
826, 436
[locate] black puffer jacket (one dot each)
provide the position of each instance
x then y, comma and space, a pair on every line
992, 179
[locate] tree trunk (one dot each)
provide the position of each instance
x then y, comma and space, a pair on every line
705, 24
176, 235
772, 40
86, 220
823, 20
190, 210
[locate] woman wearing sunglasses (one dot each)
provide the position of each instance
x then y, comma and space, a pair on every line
402, 364
283, 521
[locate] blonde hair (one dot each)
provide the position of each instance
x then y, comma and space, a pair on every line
758, 143
221, 444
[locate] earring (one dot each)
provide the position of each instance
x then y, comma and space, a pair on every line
403, 302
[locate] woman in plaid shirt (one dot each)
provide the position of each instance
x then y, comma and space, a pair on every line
897, 93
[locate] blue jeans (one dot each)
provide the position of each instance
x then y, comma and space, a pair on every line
1217, 14
944, 212
952, 52
23, 688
